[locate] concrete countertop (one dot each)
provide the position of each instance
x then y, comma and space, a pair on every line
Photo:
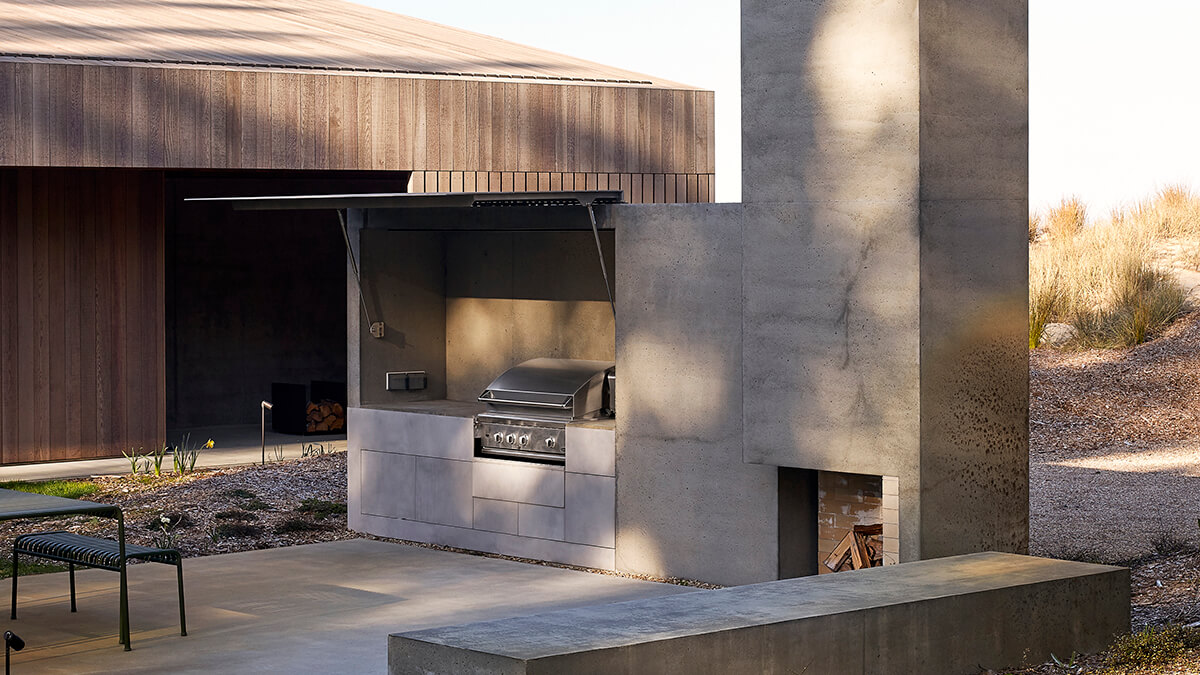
450, 408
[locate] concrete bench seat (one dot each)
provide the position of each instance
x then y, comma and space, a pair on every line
949, 615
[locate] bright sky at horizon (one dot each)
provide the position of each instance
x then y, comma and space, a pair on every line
1113, 109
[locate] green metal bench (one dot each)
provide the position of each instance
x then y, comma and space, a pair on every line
78, 549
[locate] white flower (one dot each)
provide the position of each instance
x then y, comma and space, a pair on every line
164, 520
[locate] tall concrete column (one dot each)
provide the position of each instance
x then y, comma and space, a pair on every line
885, 165
880, 324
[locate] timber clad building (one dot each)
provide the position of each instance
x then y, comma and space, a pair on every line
125, 312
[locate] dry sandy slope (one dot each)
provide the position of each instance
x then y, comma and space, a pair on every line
1115, 446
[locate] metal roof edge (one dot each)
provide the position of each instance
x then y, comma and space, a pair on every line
399, 200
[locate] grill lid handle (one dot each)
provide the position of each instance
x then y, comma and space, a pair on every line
489, 396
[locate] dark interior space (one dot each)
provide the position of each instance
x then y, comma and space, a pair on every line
253, 297
797, 522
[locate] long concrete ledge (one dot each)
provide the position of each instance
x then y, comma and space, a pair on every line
949, 615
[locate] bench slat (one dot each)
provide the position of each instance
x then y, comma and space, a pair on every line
89, 551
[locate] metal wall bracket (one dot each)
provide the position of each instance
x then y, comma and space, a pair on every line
377, 329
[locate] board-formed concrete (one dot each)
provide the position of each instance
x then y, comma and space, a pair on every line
949, 616
688, 506
863, 311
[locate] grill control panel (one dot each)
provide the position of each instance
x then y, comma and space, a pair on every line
520, 439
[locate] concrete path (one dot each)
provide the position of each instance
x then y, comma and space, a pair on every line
235, 446
321, 608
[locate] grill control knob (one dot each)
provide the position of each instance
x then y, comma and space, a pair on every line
550, 443
499, 437
523, 440
510, 438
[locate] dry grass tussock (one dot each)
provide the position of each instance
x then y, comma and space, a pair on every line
1104, 279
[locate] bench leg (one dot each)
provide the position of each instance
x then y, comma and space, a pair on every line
182, 617
71, 567
14, 584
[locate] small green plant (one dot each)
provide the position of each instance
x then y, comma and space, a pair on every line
314, 450
175, 521
166, 537
294, 525
32, 567
157, 458
235, 514
278, 453
186, 453
133, 459
240, 493
235, 529
319, 509
1069, 664
1153, 646
256, 504
71, 489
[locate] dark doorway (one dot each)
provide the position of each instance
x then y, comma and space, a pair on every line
253, 297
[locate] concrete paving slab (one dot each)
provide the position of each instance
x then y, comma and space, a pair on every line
320, 608
235, 446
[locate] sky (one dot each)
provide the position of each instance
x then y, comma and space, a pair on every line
1114, 104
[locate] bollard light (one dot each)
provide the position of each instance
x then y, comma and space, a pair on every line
12, 642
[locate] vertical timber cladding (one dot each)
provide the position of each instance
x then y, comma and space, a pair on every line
82, 353
654, 143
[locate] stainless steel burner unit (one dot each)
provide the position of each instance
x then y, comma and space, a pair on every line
530, 405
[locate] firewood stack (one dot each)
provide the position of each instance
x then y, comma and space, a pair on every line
861, 547
325, 416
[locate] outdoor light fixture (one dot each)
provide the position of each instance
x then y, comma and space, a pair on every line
12, 642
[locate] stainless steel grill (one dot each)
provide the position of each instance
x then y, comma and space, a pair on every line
530, 405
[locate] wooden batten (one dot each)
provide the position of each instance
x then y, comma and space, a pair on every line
56, 114
82, 340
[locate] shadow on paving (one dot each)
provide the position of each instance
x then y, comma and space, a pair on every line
303, 609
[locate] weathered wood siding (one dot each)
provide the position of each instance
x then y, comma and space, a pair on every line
54, 114
644, 188
82, 354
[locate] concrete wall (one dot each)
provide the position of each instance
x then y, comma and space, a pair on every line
515, 296
862, 312
974, 272
952, 616
404, 283
687, 505
466, 306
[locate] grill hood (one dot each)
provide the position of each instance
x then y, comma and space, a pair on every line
563, 389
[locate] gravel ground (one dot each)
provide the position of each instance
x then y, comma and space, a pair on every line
1115, 474
1115, 448
263, 502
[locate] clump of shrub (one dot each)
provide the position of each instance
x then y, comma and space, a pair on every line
240, 493
1066, 220
319, 509
256, 504
1168, 543
235, 529
295, 525
235, 514
1102, 279
1153, 646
